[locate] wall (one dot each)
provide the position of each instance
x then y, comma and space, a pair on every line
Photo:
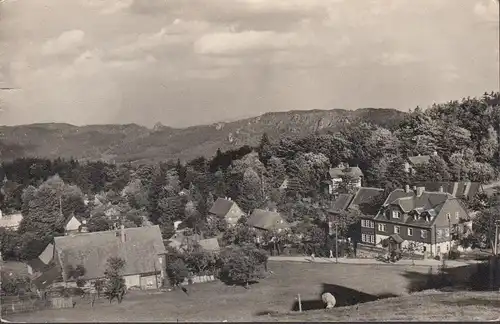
72, 225
403, 232
132, 280
148, 282
234, 214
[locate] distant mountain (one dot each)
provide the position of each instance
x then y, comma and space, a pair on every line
134, 143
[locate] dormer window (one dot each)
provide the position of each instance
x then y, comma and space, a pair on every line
395, 214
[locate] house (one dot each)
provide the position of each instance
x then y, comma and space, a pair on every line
266, 220
141, 248
458, 189
342, 171
367, 201
341, 203
415, 161
11, 221
427, 219
227, 209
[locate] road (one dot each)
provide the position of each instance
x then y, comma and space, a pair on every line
428, 262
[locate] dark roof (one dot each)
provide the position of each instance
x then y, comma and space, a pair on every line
221, 207
365, 195
396, 238
428, 202
419, 159
461, 189
351, 171
140, 250
265, 219
50, 276
341, 203
363, 199
37, 265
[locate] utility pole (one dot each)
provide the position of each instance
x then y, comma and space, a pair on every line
336, 243
495, 250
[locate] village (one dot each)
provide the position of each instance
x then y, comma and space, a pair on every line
423, 223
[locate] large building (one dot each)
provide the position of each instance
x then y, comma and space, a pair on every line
341, 172
424, 218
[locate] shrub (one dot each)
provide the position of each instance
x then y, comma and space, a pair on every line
177, 272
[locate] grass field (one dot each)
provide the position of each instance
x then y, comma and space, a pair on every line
275, 294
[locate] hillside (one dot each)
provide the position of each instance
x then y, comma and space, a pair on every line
136, 143
423, 306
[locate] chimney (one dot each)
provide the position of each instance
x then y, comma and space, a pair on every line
122, 232
407, 188
420, 191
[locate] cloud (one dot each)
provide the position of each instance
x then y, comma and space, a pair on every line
245, 42
68, 41
209, 74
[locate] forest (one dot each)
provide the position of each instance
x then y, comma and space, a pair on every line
463, 133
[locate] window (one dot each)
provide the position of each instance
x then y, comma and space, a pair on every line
446, 232
457, 215
364, 238
372, 224
395, 214
439, 233
448, 216
423, 233
372, 239
397, 229
363, 223
410, 231
381, 227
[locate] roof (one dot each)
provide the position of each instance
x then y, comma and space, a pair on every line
351, 171
47, 254
92, 250
179, 238
396, 238
341, 203
211, 244
460, 189
364, 196
37, 265
221, 207
419, 159
430, 202
53, 274
265, 219
13, 220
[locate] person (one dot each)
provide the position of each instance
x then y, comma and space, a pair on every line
312, 256
331, 254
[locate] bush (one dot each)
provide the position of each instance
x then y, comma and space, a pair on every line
177, 272
242, 265
453, 255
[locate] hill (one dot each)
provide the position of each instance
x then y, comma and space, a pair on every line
135, 143
423, 306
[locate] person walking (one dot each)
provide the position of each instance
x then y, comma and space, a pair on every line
312, 256
331, 254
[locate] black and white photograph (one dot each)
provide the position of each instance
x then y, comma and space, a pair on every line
249, 161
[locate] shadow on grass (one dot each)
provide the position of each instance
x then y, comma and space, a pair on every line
344, 296
474, 277
473, 302
238, 283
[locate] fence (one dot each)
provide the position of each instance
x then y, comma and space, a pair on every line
24, 305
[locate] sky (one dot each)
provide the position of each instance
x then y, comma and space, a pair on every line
189, 62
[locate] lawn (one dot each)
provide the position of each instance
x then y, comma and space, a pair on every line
216, 301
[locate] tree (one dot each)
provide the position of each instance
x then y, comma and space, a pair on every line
239, 235
177, 272
115, 283
484, 225
264, 150
242, 264
200, 262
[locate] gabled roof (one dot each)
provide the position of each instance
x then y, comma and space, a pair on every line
427, 202
354, 172
13, 220
460, 189
221, 207
341, 203
364, 196
419, 159
267, 220
37, 265
141, 250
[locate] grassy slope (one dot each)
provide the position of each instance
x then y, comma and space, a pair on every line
425, 306
216, 301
